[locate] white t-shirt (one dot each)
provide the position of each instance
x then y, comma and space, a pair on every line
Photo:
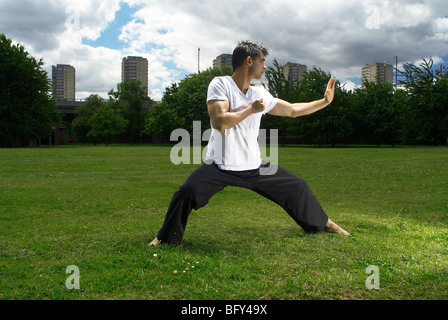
237, 148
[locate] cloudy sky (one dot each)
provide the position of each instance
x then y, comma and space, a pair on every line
338, 36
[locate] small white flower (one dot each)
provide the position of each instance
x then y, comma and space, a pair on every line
155, 254
175, 271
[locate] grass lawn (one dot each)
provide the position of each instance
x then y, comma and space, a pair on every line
98, 207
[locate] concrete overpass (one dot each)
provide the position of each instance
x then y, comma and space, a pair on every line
69, 107
62, 131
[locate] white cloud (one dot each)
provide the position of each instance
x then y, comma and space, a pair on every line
339, 36
441, 30
441, 25
349, 85
398, 14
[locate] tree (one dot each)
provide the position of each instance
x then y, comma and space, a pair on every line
378, 113
106, 123
162, 121
81, 126
329, 125
427, 121
27, 111
134, 104
280, 87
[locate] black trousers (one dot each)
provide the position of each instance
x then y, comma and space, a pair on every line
289, 191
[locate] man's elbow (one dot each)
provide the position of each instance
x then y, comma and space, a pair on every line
300, 112
221, 129
295, 114
219, 125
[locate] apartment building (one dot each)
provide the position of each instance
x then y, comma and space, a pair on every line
376, 72
222, 60
294, 72
135, 68
64, 82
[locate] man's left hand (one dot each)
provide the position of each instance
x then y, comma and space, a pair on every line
329, 93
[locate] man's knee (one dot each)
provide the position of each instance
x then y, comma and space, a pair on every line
189, 189
193, 194
300, 185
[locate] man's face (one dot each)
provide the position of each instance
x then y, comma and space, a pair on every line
257, 68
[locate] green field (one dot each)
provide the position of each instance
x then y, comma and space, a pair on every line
98, 207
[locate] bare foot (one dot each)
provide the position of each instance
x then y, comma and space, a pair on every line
334, 228
154, 243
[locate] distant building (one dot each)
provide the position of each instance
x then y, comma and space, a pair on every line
376, 72
135, 68
222, 60
64, 82
294, 72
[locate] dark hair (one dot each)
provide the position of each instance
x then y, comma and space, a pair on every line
246, 49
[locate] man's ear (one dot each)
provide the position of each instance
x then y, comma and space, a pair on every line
249, 60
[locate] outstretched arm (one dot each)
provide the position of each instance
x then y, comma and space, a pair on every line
293, 110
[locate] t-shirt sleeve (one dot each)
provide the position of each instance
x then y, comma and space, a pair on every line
216, 90
270, 101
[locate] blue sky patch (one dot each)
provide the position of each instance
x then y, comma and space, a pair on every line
109, 36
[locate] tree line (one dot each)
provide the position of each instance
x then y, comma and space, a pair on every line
124, 114
414, 113
28, 112
377, 113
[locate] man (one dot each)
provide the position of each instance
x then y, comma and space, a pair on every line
233, 155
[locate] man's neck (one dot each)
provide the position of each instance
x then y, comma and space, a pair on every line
242, 80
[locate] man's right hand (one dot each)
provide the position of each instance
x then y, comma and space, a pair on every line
258, 105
